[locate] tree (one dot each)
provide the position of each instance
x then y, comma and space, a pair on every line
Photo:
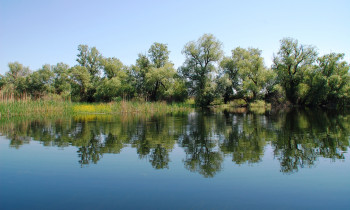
159, 80
336, 73
154, 74
201, 57
80, 80
90, 58
16, 71
40, 82
111, 67
61, 79
117, 82
327, 82
138, 72
249, 77
229, 81
290, 64
14, 81
159, 54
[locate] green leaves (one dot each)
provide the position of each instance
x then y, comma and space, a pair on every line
297, 75
89, 58
290, 64
159, 54
201, 57
112, 67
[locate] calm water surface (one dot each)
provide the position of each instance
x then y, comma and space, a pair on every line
199, 160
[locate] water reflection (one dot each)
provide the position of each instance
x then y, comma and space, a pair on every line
298, 137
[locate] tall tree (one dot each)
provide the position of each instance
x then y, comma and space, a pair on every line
336, 72
117, 82
40, 82
154, 74
327, 82
61, 79
162, 71
290, 64
16, 70
111, 67
81, 83
159, 54
229, 81
90, 58
14, 81
201, 57
138, 72
253, 73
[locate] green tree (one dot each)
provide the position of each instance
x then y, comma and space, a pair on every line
161, 74
138, 72
16, 70
61, 79
154, 74
252, 71
14, 81
90, 58
159, 80
327, 82
290, 64
229, 81
81, 83
40, 82
159, 54
201, 57
116, 83
336, 73
111, 67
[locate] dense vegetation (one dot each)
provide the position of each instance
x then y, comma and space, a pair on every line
297, 76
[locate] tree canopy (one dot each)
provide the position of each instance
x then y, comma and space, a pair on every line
297, 75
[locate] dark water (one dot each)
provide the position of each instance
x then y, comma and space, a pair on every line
200, 160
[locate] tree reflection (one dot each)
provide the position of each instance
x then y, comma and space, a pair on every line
245, 138
298, 137
159, 157
200, 144
305, 136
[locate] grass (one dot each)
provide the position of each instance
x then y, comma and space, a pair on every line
24, 106
130, 107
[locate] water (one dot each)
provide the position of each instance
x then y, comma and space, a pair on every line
200, 160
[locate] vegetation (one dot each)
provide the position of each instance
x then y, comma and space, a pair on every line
298, 137
298, 77
51, 107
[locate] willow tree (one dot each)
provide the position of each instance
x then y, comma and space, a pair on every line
154, 74
328, 82
201, 57
14, 81
290, 64
161, 72
248, 75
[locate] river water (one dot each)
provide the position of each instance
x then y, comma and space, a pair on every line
197, 160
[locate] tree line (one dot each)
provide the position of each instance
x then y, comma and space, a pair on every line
297, 76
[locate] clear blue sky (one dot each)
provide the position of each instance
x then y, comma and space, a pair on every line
47, 32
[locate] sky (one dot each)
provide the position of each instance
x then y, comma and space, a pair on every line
39, 32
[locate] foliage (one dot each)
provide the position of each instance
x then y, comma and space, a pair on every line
201, 57
296, 77
291, 63
327, 82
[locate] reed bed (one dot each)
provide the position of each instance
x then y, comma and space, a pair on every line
11, 106
130, 107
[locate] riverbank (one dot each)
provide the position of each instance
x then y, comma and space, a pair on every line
46, 108
55, 107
